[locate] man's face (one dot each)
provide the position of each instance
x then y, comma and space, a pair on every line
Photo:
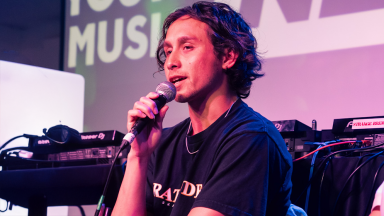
191, 63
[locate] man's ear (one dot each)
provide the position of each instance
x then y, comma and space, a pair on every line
229, 58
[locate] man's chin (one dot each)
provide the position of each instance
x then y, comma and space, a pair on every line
181, 99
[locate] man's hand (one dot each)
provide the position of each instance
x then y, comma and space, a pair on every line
146, 142
375, 211
131, 198
202, 211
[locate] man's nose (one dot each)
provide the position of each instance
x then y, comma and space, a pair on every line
173, 61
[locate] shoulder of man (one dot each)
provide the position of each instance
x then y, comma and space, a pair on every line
254, 121
250, 121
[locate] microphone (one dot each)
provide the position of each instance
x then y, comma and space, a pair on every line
167, 93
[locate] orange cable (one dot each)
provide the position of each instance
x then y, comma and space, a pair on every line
339, 143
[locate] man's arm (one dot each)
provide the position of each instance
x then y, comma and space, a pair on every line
202, 211
131, 198
375, 211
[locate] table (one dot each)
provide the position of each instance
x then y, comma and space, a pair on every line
82, 185
36, 189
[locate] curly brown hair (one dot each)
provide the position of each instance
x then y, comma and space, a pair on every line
230, 32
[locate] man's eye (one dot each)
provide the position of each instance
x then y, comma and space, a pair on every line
188, 47
168, 52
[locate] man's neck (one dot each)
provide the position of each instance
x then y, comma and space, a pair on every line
207, 112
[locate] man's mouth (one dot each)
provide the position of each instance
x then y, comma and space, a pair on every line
177, 79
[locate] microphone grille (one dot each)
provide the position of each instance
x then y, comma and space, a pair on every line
167, 89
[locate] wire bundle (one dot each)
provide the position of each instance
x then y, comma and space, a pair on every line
326, 161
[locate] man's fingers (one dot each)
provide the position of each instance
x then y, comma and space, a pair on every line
160, 117
150, 103
143, 107
152, 95
135, 114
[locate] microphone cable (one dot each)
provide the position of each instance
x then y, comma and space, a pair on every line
101, 200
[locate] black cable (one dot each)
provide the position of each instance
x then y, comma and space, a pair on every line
101, 201
81, 210
326, 158
350, 177
352, 147
360, 159
322, 179
313, 176
16, 137
6, 207
321, 185
373, 187
6, 143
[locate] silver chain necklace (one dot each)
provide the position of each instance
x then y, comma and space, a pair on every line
189, 128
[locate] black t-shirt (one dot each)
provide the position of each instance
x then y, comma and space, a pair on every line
242, 167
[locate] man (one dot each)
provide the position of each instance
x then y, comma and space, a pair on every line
225, 159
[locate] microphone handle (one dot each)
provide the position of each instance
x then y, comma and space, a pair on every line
128, 138
141, 123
